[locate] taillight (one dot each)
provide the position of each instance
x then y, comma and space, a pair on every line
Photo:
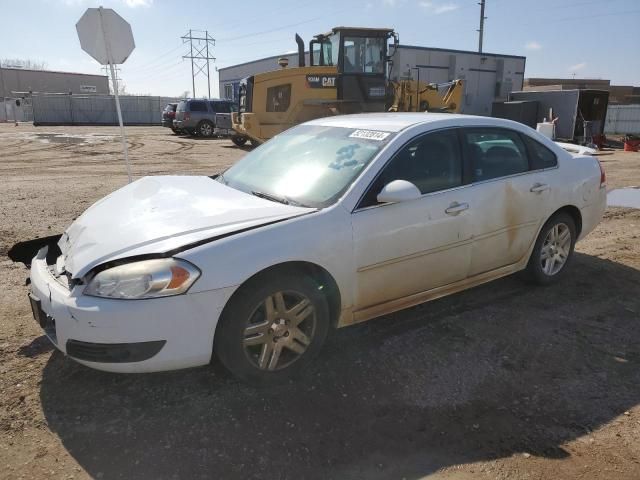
187, 116
603, 176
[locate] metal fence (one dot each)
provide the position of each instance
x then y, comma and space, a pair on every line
64, 109
623, 119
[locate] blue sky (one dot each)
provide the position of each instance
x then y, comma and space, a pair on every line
593, 39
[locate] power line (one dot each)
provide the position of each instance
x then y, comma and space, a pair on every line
261, 16
167, 70
200, 57
145, 65
284, 27
585, 17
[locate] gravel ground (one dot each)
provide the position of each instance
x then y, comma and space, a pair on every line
502, 381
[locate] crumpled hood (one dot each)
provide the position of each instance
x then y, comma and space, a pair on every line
160, 214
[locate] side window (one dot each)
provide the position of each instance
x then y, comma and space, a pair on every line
431, 162
198, 107
541, 157
278, 98
495, 152
228, 90
220, 107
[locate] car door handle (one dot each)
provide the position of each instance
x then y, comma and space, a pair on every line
455, 208
539, 188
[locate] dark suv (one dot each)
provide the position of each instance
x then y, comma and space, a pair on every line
205, 117
168, 114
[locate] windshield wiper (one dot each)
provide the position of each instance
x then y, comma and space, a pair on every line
273, 198
276, 198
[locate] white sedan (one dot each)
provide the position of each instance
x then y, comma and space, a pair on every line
330, 223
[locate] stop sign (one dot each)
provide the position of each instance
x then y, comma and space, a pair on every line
105, 35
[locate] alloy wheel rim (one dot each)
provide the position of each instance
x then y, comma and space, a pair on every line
205, 129
555, 249
280, 330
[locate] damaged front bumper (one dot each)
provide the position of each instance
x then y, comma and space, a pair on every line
124, 335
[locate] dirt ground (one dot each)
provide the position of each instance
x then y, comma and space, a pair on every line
502, 381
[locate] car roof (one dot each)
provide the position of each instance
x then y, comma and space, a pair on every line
207, 100
395, 122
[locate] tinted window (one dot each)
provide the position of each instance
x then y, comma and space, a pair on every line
198, 107
495, 152
170, 108
540, 156
220, 107
431, 162
278, 98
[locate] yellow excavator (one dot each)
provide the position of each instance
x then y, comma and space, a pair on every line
348, 72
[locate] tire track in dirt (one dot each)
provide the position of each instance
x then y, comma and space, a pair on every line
38, 150
182, 147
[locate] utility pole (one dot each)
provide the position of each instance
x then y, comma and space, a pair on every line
481, 30
199, 56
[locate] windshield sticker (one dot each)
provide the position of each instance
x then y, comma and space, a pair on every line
370, 135
344, 157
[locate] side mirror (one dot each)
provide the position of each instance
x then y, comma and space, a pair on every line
398, 191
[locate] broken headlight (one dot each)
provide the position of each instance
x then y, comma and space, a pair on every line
161, 277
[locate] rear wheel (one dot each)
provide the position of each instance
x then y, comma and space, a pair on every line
553, 249
205, 128
272, 328
239, 140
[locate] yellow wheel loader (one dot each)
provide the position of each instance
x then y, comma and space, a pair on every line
347, 73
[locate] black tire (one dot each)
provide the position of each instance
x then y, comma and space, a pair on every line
537, 269
205, 129
248, 307
239, 140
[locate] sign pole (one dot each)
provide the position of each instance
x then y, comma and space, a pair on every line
123, 136
114, 82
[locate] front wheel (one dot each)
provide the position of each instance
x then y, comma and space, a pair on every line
239, 140
271, 328
553, 249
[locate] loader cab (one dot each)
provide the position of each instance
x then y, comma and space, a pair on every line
362, 60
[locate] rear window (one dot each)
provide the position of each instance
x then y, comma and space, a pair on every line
221, 107
541, 157
182, 106
495, 152
170, 108
197, 106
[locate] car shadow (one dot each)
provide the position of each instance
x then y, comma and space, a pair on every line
501, 369
23, 252
36, 347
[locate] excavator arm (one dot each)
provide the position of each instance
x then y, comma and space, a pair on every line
411, 96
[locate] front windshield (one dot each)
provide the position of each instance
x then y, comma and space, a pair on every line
310, 165
364, 54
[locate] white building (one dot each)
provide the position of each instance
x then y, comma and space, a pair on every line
488, 77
